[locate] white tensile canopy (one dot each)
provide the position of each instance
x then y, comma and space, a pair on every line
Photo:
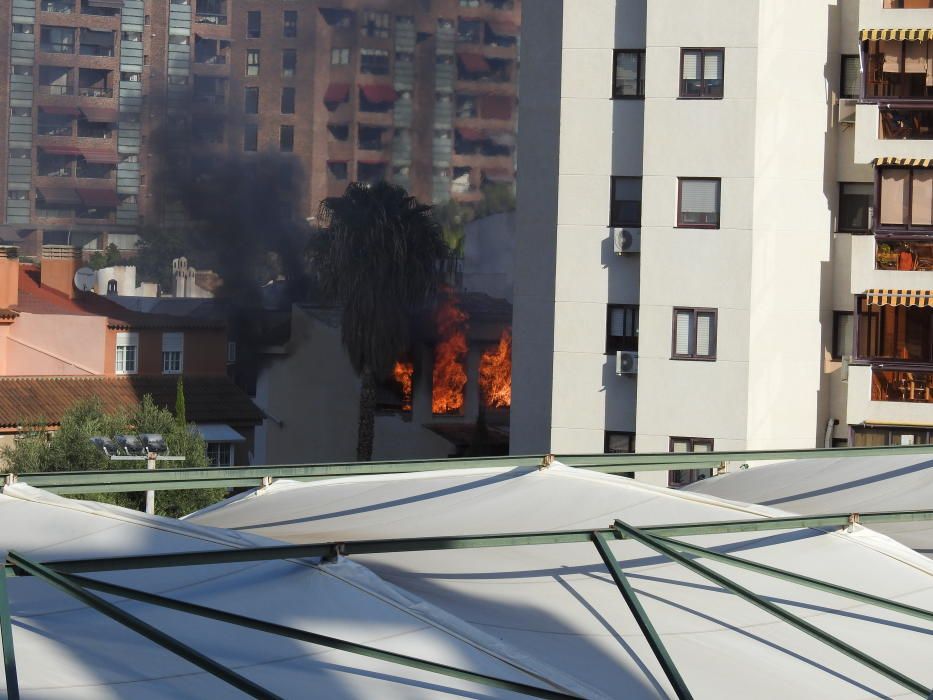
558, 603
66, 650
846, 485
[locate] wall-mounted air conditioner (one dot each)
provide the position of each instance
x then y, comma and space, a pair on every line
626, 240
626, 362
845, 111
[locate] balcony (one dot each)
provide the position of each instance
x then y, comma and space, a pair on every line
898, 136
910, 124
893, 14
211, 12
912, 384
95, 91
889, 395
904, 255
65, 7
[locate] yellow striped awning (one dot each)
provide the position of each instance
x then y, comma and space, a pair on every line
912, 162
896, 34
900, 297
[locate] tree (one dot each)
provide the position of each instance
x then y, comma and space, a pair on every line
180, 403
378, 258
70, 449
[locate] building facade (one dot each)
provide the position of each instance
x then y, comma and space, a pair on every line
422, 93
713, 195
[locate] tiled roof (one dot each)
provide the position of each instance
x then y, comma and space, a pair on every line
25, 400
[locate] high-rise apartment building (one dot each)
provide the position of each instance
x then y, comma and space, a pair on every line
724, 226
419, 92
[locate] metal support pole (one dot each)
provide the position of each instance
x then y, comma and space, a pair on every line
776, 610
150, 495
641, 617
6, 640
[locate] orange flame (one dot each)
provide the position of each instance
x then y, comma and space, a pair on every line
449, 376
495, 373
402, 373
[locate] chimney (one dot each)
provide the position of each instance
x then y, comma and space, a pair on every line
9, 276
58, 267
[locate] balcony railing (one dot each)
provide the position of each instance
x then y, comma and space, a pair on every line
907, 384
211, 59
210, 18
56, 47
904, 255
96, 50
911, 124
95, 92
56, 90
62, 6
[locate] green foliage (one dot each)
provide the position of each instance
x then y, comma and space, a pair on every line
180, 418
70, 449
156, 249
110, 257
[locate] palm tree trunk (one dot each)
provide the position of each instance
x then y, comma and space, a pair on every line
366, 433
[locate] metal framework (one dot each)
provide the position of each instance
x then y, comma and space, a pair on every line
63, 575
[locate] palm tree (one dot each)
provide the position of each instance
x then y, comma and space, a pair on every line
378, 258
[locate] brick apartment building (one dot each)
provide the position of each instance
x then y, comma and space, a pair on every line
419, 92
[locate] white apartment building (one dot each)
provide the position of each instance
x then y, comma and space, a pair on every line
764, 166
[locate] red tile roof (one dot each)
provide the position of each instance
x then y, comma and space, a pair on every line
25, 400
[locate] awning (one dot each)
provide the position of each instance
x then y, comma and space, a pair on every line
337, 92
95, 38
495, 107
59, 195
468, 134
372, 160
60, 149
101, 115
64, 110
503, 28
101, 156
896, 34
334, 16
378, 94
218, 432
498, 175
913, 162
94, 197
474, 62
108, 4
900, 297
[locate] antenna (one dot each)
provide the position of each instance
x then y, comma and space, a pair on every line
84, 279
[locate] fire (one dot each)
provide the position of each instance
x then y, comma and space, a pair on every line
449, 377
403, 372
495, 373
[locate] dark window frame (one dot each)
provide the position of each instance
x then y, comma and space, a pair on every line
675, 478
625, 343
907, 226
691, 354
703, 50
287, 138
842, 76
680, 213
254, 29
840, 228
834, 350
287, 105
290, 24
612, 433
247, 101
289, 63
640, 72
619, 222
250, 138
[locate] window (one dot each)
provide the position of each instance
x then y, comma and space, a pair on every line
682, 477
698, 202
337, 169
339, 57
253, 24
290, 24
701, 73
694, 334
628, 74
289, 62
172, 348
286, 138
250, 137
288, 100
341, 132
20, 111
252, 61
219, 454
906, 198
127, 351
850, 77
855, 206
842, 334
375, 24
621, 328
625, 209
617, 442
374, 61
251, 100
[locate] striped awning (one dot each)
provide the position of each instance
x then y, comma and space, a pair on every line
900, 297
896, 34
912, 162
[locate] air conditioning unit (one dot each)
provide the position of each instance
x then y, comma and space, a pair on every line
626, 362
846, 111
626, 240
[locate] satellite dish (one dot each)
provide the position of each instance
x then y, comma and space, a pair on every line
84, 279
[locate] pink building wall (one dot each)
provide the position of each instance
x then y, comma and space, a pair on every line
51, 344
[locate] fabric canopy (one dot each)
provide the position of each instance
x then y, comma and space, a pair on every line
498, 175
60, 195
896, 34
55, 149
103, 115
337, 92
108, 4
503, 28
474, 62
64, 110
95, 197
899, 297
378, 93
468, 134
495, 107
100, 156
912, 162
218, 432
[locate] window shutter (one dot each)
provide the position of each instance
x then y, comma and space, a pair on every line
850, 77
617, 323
893, 194
704, 334
921, 209
844, 334
699, 196
173, 342
700, 446
712, 66
682, 333
680, 446
691, 65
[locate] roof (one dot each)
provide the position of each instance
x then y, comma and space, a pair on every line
93, 656
25, 400
559, 603
847, 484
8, 313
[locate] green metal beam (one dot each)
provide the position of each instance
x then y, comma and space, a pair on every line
319, 639
641, 617
146, 630
6, 641
422, 544
799, 578
779, 612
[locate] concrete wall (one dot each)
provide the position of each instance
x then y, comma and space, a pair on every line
48, 344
